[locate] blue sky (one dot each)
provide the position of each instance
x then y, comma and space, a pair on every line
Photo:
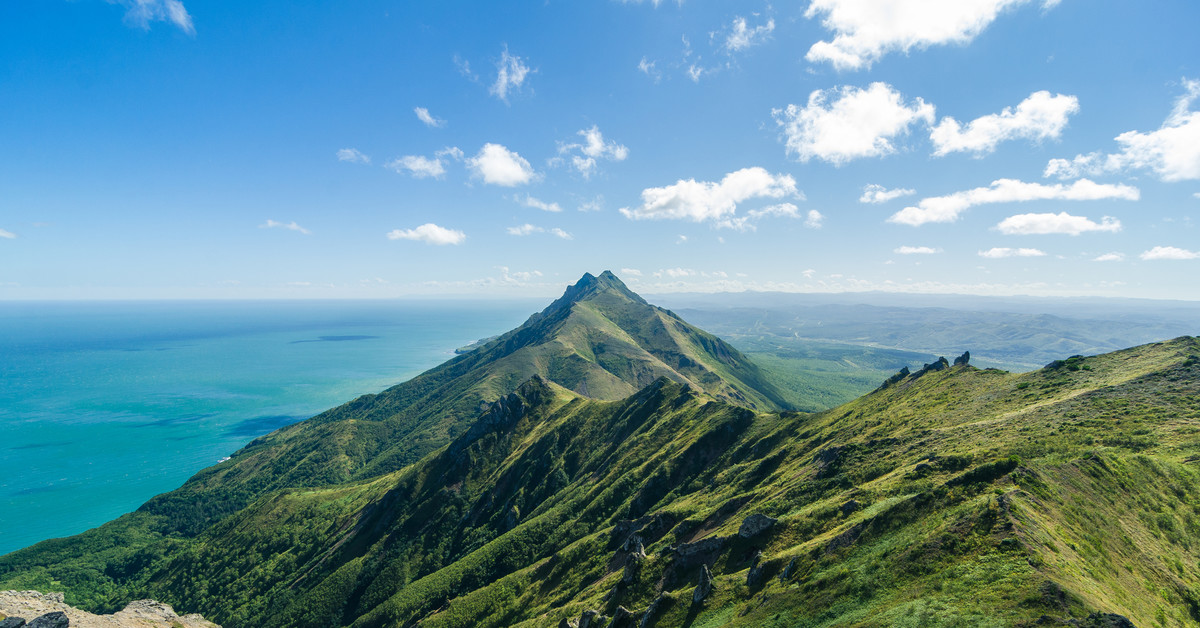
167, 149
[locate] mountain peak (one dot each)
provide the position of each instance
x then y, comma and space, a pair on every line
590, 286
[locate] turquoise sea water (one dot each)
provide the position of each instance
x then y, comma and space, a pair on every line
103, 405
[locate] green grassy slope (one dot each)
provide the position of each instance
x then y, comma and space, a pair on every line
953, 496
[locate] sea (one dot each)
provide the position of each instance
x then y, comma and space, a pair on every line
106, 404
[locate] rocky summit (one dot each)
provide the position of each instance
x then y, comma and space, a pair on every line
607, 464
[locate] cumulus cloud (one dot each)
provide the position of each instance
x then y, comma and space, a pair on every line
497, 165
291, 226
353, 156
1036, 118
429, 233
748, 222
916, 250
1001, 252
594, 147
631, 272
1062, 222
704, 200
742, 36
511, 72
947, 208
424, 116
876, 194
8, 235
524, 230
1172, 152
530, 201
866, 30
813, 219
1110, 257
846, 123
142, 12
1169, 252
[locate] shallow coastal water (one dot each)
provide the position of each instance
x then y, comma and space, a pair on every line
103, 405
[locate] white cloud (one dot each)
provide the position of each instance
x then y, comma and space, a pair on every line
594, 205
1169, 252
947, 208
876, 194
866, 30
418, 166
814, 219
511, 73
916, 250
694, 72
7, 234
1062, 222
631, 272
703, 200
674, 273
291, 226
681, 239
429, 233
1001, 252
846, 123
742, 36
748, 222
520, 276
524, 230
424, 116
542, 205
647, 67
559, 233
142, 12
353, 156
1038, 117
1196, 195
594, 147
1110, 257
1172, 152
497, 165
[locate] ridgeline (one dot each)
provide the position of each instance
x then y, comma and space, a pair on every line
608, 464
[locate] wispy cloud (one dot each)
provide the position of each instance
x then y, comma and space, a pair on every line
647, 67
353, 155
1110, 257
947, 208
142, 12
421, 167
845, 123
916, 250
424, 116
291, 226
1002, 252
876, 194
511, 72
524, 230
530, 201
1169, 253
562, 234
742, 36
594, 147
8, 235
1060, 223
429, 233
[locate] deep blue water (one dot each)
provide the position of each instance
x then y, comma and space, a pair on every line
103, 405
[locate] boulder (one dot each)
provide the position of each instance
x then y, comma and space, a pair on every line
568, 623
591, 619
755, 575
12, 622
755, 524
621, 618
57, 619
963, 359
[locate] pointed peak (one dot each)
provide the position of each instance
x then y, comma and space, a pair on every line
590, 286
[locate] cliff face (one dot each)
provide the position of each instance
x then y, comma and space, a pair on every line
30, 608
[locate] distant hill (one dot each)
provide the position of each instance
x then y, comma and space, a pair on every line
948, 496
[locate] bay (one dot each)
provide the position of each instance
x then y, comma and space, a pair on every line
106, 404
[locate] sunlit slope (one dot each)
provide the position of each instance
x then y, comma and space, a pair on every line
951, 496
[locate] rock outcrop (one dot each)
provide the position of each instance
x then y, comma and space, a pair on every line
30, 609
704, 587
755, 524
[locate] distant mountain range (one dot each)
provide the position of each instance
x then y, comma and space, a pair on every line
608, 464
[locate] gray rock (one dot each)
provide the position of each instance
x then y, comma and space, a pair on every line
568, 623
851, 507
12, 622
633, 567
650, 612
786, 574
704, 587
755, 575
702, 546
621, 618
963, 359
57, 619
755, 525
590, 619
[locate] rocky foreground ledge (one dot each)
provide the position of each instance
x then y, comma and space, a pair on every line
30, 609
